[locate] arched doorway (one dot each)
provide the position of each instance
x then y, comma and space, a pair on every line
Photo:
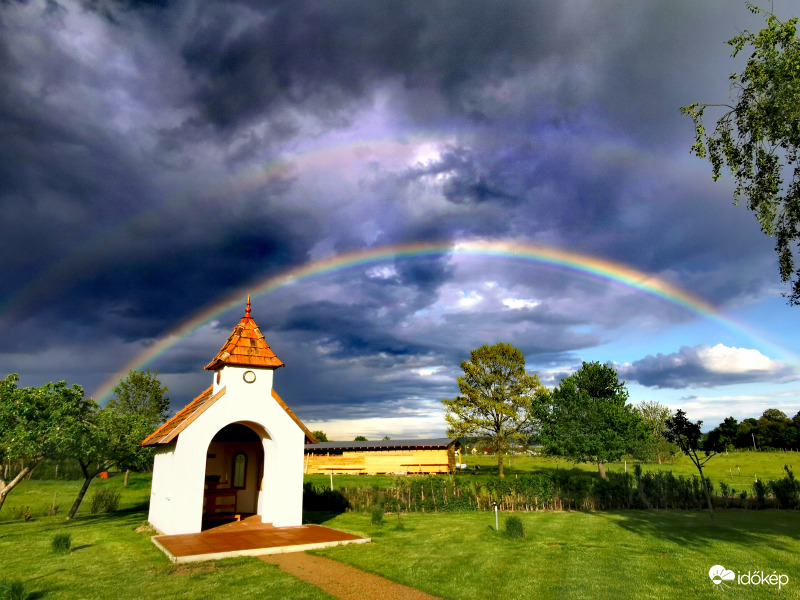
234, 473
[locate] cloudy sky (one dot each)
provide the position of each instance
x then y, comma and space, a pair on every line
158, 160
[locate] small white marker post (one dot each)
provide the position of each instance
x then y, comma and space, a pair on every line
331, 480
496, 524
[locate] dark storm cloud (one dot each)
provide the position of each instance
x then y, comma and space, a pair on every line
324, 56
138, 144
704, 366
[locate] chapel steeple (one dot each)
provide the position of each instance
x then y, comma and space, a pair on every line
246, 347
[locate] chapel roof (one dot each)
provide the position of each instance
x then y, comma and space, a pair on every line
170, 430
420, 444
245, 347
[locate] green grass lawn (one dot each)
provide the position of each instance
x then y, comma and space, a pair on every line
737, 469
109, 560
620, 554
615, 554
39, 496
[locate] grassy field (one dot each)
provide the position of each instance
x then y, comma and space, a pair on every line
39, 496
627, 554
615, 554
620, 554
109, 560
738, 469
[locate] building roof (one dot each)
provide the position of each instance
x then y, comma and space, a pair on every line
170, 430
435, 443
245, 347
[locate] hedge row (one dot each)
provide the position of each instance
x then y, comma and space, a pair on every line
553, 491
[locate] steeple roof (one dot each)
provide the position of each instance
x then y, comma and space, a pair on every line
246, 347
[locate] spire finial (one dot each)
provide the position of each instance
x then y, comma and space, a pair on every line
247, 310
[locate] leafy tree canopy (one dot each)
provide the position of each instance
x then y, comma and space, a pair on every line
588, 419
653, 446
773, 414
107, 436
141, 393
320, 436
758, 136
360, 438
497, 399
35, 424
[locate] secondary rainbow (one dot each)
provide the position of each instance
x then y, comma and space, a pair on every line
583, 264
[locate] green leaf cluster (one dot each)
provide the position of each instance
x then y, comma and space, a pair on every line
587, 418
758, 136
496, 400
34, 420
141, 393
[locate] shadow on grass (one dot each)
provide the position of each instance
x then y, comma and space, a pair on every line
142, 507
696, 528
81, 547
318, 517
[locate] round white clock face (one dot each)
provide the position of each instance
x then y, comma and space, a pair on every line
249, 377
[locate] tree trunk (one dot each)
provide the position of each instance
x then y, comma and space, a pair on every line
5, 488
127, 476
500, 471
708, 495
602, 468
88, 476
77, 504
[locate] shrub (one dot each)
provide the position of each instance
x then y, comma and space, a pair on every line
104, 500
786, 490
13, 590
377, 513
22, 512
760, 489
514, 530
61, 543
322, 499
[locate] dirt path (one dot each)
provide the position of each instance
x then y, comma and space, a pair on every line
341, 580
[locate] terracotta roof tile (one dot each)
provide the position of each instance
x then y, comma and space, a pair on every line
169, 430
245, 347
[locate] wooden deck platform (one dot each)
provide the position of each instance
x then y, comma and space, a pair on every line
250, 537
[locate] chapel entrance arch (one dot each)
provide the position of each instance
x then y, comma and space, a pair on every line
234, 475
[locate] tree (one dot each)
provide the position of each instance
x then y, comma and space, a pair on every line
142, 393
587, 417
108, 436
687, 436
34, 425
496, 401
111, 435
320, 436
773, 414
758, 136
140, 400
360, 438
724, 435
654, 446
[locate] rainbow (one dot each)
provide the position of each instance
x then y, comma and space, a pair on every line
576, 262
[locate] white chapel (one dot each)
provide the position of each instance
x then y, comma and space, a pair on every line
236, 449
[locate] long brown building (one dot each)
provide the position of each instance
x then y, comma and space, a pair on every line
399, 457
